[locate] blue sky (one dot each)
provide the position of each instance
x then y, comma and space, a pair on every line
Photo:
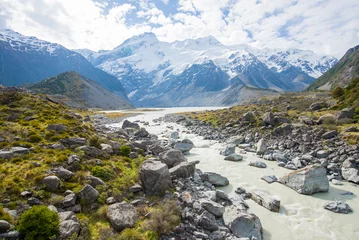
323, 26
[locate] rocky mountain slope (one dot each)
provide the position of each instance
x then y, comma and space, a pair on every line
149, 69
28, 59
77, 91
341, 74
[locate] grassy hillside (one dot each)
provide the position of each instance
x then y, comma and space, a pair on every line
75, 90
341, 74
24, 122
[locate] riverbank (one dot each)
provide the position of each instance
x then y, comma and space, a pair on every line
297, 212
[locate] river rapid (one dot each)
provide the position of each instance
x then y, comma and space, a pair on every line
300, 217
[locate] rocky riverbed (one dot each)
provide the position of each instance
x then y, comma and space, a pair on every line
282, 212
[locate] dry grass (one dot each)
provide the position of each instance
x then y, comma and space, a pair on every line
114, 115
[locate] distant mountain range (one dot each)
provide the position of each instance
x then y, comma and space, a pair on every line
158, 73
75, 90
27, 60
346, 70
196, 72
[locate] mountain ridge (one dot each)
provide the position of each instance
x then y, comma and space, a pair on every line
77, 91
340, 74
29, 59
147, 66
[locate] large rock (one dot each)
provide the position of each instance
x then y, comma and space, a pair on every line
338, 207
346, 113
207, 221
308, 180
122, 215
215, 179
88, 194
234, 157
184, 146
257, 164
73, 142
316, 106
330, 134
91, 151
268, 118
68, 228
242, 224
4, 226
327, 118
95, 181
52, 183
128, 124
212, 207
261, 146
69, 200
249, 117
228, 150
155, 178
283, 130
184, 169
172, 157
265, 200
350, 170
64, 173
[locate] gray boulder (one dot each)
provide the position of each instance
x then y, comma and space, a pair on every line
242, 224
69, 200
155, 178
107, 148
257, 164
327, 118
64, 173
265, 200
73, 142
185, 146
95, 181
172, 157
52, 183
234, 157
215, 179
268, 118
322, 154
128, 124
184, 169
68, 228
308, 180
228, 150
91, 151
88, 194
249, 117
346, 113
350, 170
330, 134
122, 215
207, 221
4, 226
338, 207
316, 106
261, 146
212, 207
269, 179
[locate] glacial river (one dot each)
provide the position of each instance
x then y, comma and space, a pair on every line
300, 218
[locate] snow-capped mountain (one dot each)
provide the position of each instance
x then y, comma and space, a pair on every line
161, 73
28, 59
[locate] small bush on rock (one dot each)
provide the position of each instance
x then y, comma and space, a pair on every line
125, 151
39, 223
164, 218
105, 173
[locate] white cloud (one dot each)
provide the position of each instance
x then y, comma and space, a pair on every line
329, 26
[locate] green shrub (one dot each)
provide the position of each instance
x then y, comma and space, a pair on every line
5, 216
39, 223
164, 219
95, 142
10, 97
35, 138
125, 151
129, 234
338, 92
105, 173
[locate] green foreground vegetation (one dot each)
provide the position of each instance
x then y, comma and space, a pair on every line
24, 122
